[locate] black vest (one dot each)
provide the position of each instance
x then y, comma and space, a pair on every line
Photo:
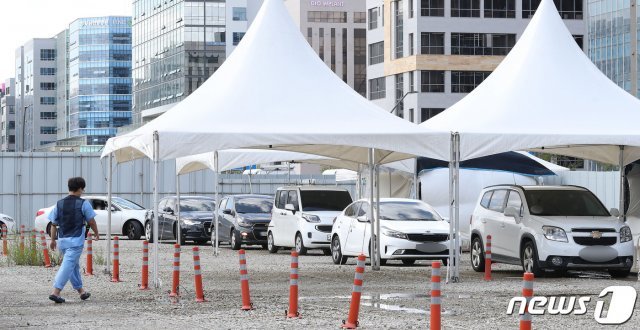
70, 217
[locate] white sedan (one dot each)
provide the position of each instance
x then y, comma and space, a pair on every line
411, 230
126, 219
7, 221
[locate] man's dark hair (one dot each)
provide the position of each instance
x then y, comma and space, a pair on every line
76, 183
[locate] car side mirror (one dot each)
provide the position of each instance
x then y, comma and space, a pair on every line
114, 209
290, 207
614, 212
512, 212
168, 210
227, 211
363, 218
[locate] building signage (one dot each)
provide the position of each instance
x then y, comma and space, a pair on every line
106, 21
322, 3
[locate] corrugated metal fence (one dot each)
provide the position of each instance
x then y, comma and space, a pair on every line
31, 181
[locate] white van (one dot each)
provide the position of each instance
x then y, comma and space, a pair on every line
303, 216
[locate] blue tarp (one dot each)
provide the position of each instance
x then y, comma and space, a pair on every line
506, 161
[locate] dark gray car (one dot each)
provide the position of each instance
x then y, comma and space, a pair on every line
196, 213
244, 219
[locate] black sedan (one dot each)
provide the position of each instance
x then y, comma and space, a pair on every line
244, 220
196, 213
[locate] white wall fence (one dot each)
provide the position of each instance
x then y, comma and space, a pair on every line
606, 185
31, 181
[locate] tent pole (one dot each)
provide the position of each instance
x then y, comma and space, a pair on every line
215, 208
250, 186
156, 174
358, 183
457, 209
623, 216
371, 219
451, 241
179, 225
109, 189
378, 257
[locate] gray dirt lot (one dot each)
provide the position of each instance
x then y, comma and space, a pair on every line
394, 298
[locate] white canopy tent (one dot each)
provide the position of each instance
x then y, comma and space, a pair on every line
275, 93
547, 96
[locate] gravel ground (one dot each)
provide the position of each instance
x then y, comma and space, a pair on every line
394, 298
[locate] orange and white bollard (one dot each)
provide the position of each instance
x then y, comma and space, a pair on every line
5, 246
197, 275
176, 271
34, 238
293, 287
487, 259
21, 238
115, 277
527, 293
145, 266
436, 297
244, 282
354, 308
89, 270
45, 251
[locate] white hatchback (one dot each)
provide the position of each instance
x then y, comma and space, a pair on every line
7, 221
126, 219
411, 230
555, 228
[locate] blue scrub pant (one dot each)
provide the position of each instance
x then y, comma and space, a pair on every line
70, 269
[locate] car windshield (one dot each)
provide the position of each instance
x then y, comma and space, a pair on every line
126, 204
324, 200
408, 211
564, 203
196, 205
254, 205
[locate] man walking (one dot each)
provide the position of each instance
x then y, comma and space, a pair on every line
69, 218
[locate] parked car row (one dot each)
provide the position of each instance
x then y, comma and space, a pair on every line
542, 228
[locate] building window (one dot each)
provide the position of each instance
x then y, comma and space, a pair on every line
568, 9
237, 37
47, 71
377, 88
411, 8
399, 93
48, 115
239, 13
310, 36
499, 8
432, 81
579, 40
432, 43
481, 43
12, 124
47, 86
373, 18
360, 61
345, 62
467, 81
333, 50
465, 8
428, 113
327, 16
411, 50
47, 54
47, 100
376, 53
399, 35
412, 86
432, 8
359, 17
47, 130
411, 115
321, 43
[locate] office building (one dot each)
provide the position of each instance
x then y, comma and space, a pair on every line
337, 32
35, 94
425, 55
7, 116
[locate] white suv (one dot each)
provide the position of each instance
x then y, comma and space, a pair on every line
549, 228
302, 217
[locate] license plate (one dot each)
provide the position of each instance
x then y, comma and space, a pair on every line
328, 237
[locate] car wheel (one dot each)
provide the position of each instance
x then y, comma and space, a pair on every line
477, 255
619, 273
529, 260
408, 262
236, 242
336, 252
148, 232
182, 240
133, 229
270, 246
300, 245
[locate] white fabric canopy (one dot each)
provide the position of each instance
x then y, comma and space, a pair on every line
275, 92
546, 94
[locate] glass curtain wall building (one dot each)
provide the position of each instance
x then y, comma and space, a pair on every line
99, 77
178, 44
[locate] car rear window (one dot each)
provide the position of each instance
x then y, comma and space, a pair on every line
254, 205
324, 200
564, 203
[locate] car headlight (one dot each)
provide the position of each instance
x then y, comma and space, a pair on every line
625, 234
311, 218
393, 233
555, 233
243, 223
191, 222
